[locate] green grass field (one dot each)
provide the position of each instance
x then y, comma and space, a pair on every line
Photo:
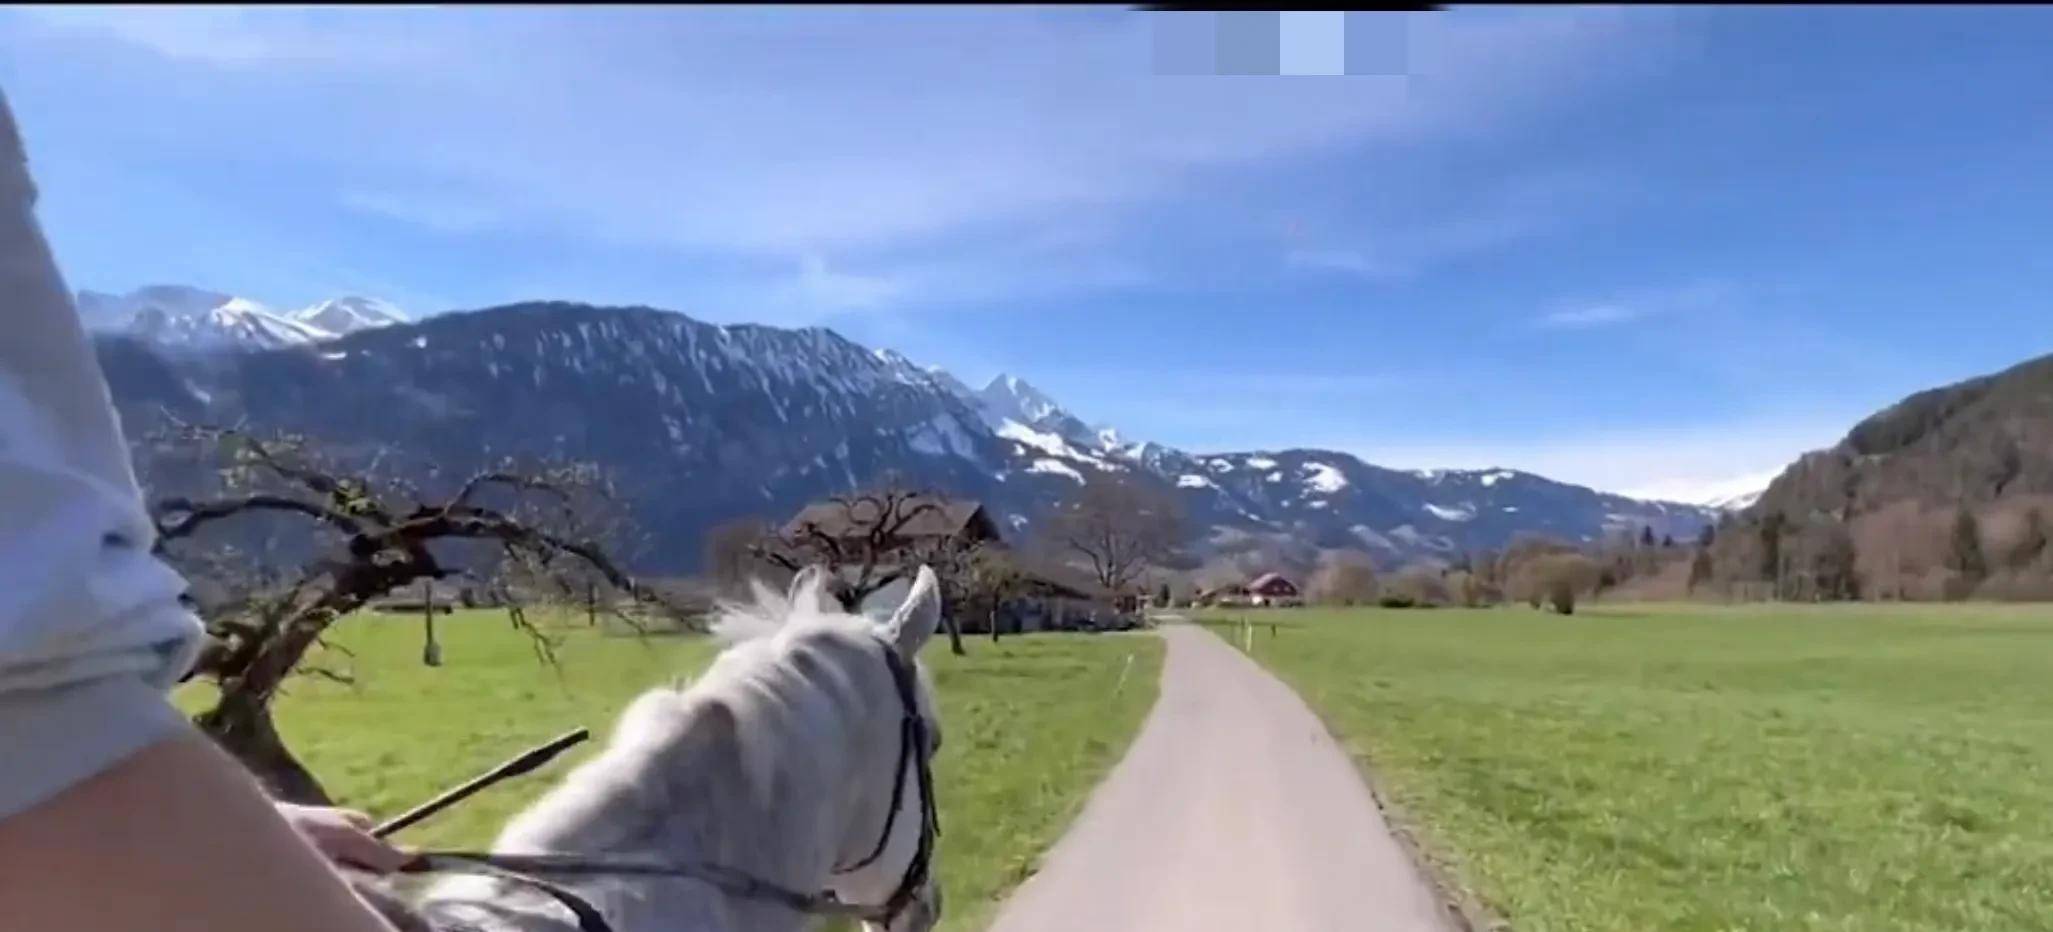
1031, 724
1816, 767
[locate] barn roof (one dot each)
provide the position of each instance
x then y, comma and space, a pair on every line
936, 518
1058, 579
1267, 578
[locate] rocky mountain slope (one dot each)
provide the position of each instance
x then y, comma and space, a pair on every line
701, 423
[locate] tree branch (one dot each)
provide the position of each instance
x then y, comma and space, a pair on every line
196, 514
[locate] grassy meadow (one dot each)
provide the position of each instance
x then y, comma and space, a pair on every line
1031, 724
1695, 768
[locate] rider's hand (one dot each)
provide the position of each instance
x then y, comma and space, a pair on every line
344, 836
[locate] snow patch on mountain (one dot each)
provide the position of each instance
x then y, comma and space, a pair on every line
1489, 479
1259, 462
1057, 467
1043, 441
1194, 482
1324, 478
942, 436
1466, 512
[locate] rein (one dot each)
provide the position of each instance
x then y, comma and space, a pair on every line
527, 869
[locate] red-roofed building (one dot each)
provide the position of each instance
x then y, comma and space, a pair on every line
1274, 589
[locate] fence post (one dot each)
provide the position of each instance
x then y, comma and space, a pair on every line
431, 650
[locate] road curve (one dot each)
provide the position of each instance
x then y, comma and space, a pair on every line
1234, 810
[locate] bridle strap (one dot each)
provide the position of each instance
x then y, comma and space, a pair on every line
905, 751
912, 750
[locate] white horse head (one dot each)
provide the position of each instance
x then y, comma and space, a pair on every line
783, 761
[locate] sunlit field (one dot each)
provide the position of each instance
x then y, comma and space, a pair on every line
1031, 724
1766, 767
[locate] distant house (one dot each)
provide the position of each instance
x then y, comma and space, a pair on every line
1266, 589
1049, 596
932, 519
1226, 596
1274, 589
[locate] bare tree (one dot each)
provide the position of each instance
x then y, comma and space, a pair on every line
1557, 577
730, 558
1345, 577
867, 542
1118, 524
371, 535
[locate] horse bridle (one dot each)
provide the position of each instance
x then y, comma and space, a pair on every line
915, 750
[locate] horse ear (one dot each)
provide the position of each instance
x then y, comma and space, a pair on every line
916, 619
809, 590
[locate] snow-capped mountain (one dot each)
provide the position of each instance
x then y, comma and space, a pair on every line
350, 314
1013, 407
703, 423
1737, 502
1011, 398
1736, 493
192, 318
187, 318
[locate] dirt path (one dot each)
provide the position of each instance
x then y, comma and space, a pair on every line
1234, 810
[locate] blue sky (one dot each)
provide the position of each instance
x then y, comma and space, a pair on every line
1649, 250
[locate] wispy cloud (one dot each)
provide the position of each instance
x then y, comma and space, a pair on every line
440, 213
740, 133
1386, 242
1339, 260
1635, 305
825, 289
1596, 315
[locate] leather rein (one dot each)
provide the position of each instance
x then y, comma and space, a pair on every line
915, 750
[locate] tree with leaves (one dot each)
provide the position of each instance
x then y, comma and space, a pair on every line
371, 533
1707, 535
1646, 537
1117, 524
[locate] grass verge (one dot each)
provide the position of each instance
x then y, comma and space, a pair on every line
1031, 724
1688, 768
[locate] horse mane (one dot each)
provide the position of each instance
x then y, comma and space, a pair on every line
771, 689
770, 611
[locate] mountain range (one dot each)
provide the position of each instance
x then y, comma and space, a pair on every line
701, 423
185, 318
